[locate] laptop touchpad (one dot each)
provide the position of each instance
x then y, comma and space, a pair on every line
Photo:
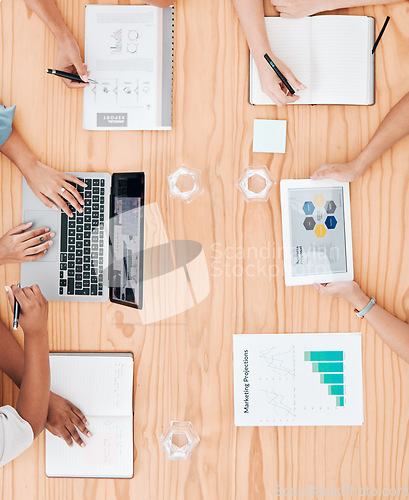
46, 218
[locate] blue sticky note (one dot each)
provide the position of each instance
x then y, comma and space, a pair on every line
269, 136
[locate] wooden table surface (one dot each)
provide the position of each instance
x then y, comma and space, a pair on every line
183, 365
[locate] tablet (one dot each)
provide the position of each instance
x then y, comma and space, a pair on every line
317, 241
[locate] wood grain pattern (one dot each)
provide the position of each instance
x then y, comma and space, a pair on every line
183, 366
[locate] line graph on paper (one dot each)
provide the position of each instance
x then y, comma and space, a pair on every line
281, 362
278, 384
282, 405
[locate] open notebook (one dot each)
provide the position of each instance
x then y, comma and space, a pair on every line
129, 52
101, 385
331, 55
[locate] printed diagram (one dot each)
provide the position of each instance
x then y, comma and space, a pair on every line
106, 92
280, 403
281, 362
111, 93
319, 215
116, 42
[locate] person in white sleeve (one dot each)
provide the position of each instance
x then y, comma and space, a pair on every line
19, 427
37, 408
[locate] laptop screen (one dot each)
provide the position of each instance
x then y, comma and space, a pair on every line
126, 241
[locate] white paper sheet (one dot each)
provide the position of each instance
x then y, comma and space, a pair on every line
269, 136
275, 384
124, 53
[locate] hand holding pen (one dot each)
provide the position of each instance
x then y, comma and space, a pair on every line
69, 60
274, 85
30, 308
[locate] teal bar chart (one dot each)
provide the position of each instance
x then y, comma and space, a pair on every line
330, 367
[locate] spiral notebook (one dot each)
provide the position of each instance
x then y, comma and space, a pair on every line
101, 385
129, 52
331, 55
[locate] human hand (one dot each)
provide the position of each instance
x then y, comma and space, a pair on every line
64, 419
50, 186
341, 289
69, 60
33, 309
274, 87
20, 245
292, 9
342, 172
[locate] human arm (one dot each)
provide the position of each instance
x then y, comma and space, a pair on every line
393, 331
161, 3
63, 416
68, 54
45, 182
33, 398
301, 8
394, 127
251, 15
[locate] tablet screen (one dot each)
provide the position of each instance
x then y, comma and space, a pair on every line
317, 231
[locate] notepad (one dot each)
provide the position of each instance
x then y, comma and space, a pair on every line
269, 136
101, 385
331, 55
298, 379
129, 52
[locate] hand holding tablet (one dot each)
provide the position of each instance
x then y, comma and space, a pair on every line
317, 240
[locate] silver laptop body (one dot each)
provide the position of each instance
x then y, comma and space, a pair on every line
53, 272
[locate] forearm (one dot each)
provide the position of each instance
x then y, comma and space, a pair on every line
11, 355
345, 4
251, 15
161, 3
49, 13
32, 403
18, 152
393, 331
394, 127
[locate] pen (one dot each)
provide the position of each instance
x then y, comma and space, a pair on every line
16, 312
69, 76
381, 33
279, 74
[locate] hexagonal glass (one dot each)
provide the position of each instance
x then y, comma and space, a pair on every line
179, 439
260, 173
195, 177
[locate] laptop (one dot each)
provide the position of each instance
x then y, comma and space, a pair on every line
97, 255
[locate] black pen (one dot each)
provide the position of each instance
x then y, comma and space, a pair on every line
16, 312
381, 33
279, 74
69, 76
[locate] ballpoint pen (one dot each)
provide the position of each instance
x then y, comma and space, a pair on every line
69, 76
279, 74
16, 312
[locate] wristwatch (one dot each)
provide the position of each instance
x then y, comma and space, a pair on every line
365, 310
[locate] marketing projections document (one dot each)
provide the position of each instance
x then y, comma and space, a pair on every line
298, 379
129, 53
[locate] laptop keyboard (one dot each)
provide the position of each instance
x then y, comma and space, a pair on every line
82, 243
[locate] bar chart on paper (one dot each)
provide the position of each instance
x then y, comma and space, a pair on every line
298, 379
327, 368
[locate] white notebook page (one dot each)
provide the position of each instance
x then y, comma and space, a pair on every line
109, 453
340, 59
98, 385
295, 54
101, 385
